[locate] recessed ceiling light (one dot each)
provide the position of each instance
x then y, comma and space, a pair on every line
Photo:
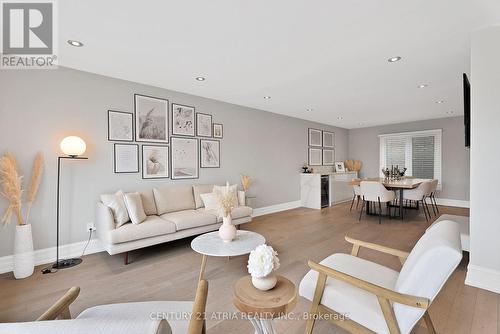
340, 118
439, 101
200, 78
361, 123
423, 85
451, 112
394, 59
72, 42
309, 109
267, 97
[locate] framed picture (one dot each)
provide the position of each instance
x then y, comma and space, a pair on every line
120, 126
154, 162
328, 139
328, 157
151, 119
218, 130
203, 125
339, 167
126, 158
315, 137
209, 153
182, 120
315, 155
184, 157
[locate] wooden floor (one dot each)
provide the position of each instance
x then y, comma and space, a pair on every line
170, 272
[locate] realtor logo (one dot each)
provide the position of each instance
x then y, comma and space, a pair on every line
28, 35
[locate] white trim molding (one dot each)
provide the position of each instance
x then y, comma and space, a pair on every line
48, 255
451, 202
276, 208
483, 278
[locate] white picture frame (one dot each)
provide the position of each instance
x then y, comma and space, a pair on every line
183, 120
315, 156
209, 153
151, 119
339, 167
315, 137
203, 125
184, 158
328, 157
120, 126
218, 130
155, 162
328, 139
126, 158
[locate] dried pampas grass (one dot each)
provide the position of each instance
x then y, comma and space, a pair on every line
11, 188
246, 181
36, 178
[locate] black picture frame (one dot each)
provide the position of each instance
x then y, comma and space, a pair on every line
168, 162
325, 133
172, 144
221, 130
172, 105
198, 128
115, 162
309, 156
201, 153
309, 130
132, 126
137, 123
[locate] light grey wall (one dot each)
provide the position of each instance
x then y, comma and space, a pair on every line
364, 146
39, 108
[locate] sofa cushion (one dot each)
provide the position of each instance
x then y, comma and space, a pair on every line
148, 202
135, 208
117, 205
151, 227
344, 298
239, 212
172, 199
201, 189
210, 201
186, 219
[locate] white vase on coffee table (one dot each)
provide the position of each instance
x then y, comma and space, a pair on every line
227, 231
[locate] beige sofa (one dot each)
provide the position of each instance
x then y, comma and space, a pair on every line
172, 213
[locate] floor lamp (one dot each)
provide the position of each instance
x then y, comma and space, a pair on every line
73, 147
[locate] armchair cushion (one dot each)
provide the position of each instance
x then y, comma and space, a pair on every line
361, 306
175, 312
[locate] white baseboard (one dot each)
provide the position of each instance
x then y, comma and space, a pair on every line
483, 278
48, 255
451, 202
276, 208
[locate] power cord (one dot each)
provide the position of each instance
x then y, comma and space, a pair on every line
87, 244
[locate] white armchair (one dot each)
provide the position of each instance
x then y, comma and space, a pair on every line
376, 298
419, 195
375, 192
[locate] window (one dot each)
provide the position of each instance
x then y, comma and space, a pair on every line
419, 152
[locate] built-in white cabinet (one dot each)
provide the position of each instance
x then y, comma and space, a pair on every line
339, 188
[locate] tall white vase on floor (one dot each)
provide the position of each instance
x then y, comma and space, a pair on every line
24, 259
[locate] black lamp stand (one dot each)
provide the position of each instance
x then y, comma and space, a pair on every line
63, 263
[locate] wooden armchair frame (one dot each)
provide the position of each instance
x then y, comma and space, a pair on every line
385, 296
60, 310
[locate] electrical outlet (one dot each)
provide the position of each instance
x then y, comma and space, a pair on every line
90, 227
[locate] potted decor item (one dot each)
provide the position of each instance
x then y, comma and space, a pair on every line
12, 190
227, 231
262, 263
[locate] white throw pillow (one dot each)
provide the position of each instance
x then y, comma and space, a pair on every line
135, 208
210, 201
117, 205
233, 189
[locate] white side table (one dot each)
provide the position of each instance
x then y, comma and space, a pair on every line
210, 244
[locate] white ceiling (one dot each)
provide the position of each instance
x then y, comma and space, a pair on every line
328, 55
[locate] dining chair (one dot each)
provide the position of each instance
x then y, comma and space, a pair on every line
419, 195
364, 297
432, 193
375, 192
356, 190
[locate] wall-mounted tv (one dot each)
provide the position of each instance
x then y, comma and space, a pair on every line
466, 109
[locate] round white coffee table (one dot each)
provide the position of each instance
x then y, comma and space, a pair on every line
210, 244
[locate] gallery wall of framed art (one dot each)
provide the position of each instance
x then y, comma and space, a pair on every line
321, 150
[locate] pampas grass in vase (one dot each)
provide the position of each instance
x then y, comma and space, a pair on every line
12, 190
227, 232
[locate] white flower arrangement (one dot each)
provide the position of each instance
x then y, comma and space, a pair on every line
262, 261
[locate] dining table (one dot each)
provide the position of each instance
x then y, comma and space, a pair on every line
400, 185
